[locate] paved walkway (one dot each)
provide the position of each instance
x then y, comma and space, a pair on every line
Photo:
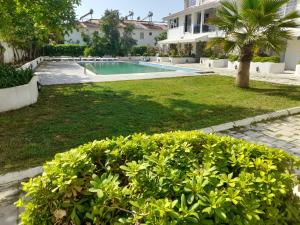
283, 133
51, 73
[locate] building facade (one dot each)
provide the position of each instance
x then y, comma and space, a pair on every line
189, 26
144, 32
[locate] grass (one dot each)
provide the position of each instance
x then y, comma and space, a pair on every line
68, 116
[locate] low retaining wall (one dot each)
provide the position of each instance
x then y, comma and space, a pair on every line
214, 63
182, 60
297, 71
33, 64
20, 96
233, 65
162, 59
267, 67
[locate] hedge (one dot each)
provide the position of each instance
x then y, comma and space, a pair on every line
71, 50
233, 58
11, 77
139, 50
274, 59
179, 178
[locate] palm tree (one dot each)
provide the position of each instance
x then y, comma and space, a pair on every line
250, 24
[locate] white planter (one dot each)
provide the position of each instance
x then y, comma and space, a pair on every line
296, 190
233, 65
297, 71
162, 59
267, 67
182, 60
20, 96
214, 63
131, 58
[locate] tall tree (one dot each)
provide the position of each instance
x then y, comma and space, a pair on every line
110, 27
127, 41
162, 36
249, 24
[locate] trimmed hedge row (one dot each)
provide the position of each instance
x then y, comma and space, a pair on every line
179, 178
71, 50
12, 77
274, 59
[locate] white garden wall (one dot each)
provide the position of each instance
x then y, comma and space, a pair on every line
297, 71
20, 96
214, 63
233, 65
182, 60
267, 67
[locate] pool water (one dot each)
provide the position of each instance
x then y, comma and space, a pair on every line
115, 68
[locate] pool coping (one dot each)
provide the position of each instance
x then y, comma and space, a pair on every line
76, 75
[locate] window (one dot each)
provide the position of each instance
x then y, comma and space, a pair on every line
150, 34
174, 23
142, 35
188, 23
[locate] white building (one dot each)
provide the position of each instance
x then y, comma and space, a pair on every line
144, 32
190, 26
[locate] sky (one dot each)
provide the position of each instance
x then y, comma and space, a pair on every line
160, 8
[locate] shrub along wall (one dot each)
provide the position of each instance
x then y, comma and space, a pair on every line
179, 178
11, 77
64, 50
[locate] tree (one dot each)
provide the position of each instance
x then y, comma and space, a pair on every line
162, 36
249, 24
127, 41
27, 25
109, 26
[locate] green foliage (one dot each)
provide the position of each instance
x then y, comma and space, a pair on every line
109, 25
11, 77
174, 178
97, 45
139, 50
233, 58
151, 51
64, 50
274, 59
127, 41
162, 36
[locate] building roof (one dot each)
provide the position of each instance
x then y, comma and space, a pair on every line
143, 25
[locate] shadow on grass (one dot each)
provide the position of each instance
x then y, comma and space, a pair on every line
69, 116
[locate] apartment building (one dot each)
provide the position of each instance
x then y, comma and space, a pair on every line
189, 26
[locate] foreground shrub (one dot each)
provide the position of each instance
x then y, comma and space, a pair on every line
71, 50
11, 77
174, 178
274, 59
233, 58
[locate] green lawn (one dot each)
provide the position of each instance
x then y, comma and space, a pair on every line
68, 116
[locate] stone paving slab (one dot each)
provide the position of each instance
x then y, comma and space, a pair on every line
282, 133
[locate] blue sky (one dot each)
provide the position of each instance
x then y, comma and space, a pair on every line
141, 8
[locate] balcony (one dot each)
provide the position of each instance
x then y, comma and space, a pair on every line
205, 28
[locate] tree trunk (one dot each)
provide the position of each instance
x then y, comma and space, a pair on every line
243, 76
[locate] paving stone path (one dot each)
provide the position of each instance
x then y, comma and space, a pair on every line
283, 133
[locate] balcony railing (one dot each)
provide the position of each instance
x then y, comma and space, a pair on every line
205, 28
191, 3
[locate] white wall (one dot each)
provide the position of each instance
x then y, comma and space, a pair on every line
9, 54
292, 54
75, 36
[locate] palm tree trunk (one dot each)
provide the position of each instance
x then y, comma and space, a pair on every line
243, 76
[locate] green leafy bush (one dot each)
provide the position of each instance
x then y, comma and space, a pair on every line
179, 178
72, 50
233, 58
139, 50
11, 77
274, 59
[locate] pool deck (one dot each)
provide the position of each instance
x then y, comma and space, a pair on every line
53, 73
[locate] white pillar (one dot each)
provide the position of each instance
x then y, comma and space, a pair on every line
202, 20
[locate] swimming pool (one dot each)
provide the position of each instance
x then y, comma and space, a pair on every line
115, 68
120, 67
